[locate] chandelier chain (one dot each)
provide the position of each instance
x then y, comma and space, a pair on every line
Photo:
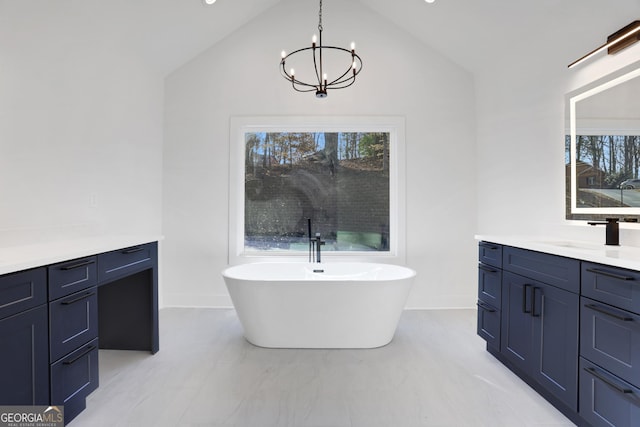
320, 17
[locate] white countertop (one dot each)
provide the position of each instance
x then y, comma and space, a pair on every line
22, 257
618, 256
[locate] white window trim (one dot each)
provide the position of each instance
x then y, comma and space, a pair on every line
397, 182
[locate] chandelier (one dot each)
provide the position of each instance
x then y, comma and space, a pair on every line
319, 80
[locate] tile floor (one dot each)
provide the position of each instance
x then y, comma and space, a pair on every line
435, 372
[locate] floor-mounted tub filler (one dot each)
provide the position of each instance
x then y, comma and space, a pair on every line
329, 305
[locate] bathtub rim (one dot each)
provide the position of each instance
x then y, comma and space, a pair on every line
410, 272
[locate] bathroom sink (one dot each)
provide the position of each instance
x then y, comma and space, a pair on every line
572, 244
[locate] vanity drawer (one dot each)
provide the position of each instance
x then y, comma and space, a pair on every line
490, 254
22, 290
490, 285
606, 400
72, 276
122, 262
73, 378
612, 285
489, 324
551, 269
73, 321
610, 337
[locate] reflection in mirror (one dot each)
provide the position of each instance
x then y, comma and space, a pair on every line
602, 147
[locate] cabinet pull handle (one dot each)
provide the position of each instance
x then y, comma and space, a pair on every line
78, 265
80, 356
486, 307
488, 246
524, 298
487, 268
78, 298
533, 302
609, 274
608, 382
132, 250
603, 310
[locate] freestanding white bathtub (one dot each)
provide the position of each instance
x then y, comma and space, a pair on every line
332, 305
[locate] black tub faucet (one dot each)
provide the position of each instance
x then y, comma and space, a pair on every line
612, 232
314, 244
319, 243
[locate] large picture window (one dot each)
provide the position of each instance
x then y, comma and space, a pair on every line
338, 174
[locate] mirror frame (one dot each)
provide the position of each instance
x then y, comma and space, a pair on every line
618, 77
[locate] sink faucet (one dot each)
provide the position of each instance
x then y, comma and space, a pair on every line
612, 232
314, 244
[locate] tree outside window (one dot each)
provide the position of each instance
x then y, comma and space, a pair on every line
339, 180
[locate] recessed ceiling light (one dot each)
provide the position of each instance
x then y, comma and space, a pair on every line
430, 1
209, 1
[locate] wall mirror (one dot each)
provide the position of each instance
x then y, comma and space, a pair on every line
602, 147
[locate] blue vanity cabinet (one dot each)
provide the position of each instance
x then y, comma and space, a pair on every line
610, 346
73, 332
489, 293
571, 330
540, 320
24, 338
55, 318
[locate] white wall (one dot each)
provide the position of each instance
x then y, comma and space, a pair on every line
80, 127
521, 130
401, 77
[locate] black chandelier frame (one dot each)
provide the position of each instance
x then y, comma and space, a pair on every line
323, 85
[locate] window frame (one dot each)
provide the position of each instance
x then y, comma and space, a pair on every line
241, 125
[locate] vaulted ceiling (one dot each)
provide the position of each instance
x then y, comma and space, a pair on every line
476, 34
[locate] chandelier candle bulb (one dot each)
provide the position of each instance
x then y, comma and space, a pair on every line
353, 47
283, 54
314, 39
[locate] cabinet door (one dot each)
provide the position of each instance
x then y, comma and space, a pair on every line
517, 322
24, 358
555, 335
